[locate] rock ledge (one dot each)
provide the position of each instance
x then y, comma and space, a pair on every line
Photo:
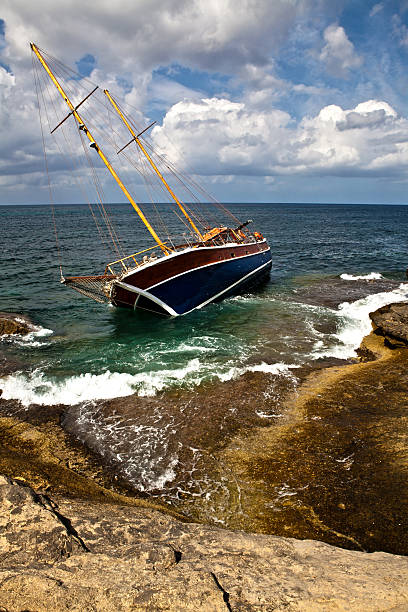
75, 555
391, 322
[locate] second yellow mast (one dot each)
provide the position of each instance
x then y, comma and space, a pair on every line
155, 168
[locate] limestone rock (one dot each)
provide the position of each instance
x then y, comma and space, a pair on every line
391, 321
11, 323
85, 556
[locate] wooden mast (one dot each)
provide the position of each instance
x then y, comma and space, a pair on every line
155, 168
83, 127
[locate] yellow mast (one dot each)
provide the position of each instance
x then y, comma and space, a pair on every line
99, 151
155, 168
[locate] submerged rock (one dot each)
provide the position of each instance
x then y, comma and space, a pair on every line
12, 323
85, 556
391, 321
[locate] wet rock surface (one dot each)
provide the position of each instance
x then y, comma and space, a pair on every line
391, 321
60, 554
336, 290
337, 470
11, 323
36, 451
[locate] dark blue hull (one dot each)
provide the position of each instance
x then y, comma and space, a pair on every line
195, 288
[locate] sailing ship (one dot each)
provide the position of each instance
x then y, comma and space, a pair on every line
176, 275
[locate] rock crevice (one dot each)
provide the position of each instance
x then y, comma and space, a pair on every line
46, 502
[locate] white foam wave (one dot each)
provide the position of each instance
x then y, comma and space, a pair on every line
203, 344
37, 388
139, 450
371, 276
272, 368
355, 323
168, 475
271, 415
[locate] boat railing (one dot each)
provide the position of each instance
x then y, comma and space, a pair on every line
130, 261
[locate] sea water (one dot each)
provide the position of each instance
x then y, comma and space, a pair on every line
332, 265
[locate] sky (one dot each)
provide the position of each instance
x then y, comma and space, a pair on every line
268, 101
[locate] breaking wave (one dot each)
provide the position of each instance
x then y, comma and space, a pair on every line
38, 388
354, 323
30, 339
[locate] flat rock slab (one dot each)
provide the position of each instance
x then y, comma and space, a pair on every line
84, 556
391, 321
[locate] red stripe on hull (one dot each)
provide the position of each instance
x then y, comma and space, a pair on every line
183, 262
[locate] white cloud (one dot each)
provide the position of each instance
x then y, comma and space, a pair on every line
130, 39
207, 33
6, 78
220, 136
239, 132
338, 54
400, 30
376, 9
165, 92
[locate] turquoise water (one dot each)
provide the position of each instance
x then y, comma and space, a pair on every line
84, 350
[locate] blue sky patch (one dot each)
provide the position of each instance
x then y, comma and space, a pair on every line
86, 64
210, 84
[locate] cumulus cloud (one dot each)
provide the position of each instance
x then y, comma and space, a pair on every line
338, 54
354, 141
366, 114
128, 41
223, 137
207, 33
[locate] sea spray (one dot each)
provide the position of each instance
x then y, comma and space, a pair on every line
354, 323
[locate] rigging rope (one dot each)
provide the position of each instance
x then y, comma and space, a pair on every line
46, 168
69, 147
71, 157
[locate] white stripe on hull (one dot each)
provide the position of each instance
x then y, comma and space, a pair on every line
230, 287
149, 296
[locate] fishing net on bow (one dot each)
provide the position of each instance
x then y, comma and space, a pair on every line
95, 287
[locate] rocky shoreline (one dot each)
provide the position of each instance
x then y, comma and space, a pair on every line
342, 456
83, 520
